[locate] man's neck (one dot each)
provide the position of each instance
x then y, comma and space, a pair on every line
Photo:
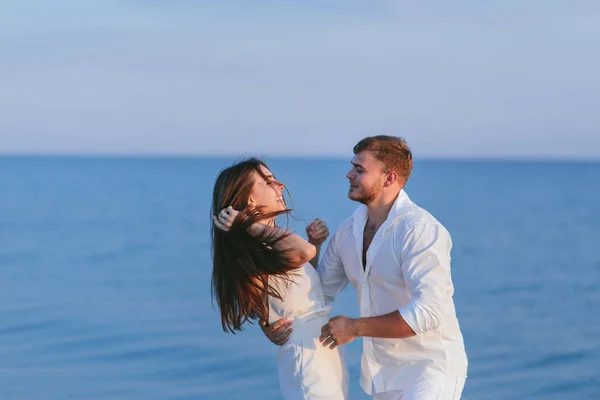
379, 209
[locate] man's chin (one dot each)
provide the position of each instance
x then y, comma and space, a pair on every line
354, 197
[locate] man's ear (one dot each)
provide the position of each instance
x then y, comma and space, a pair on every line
390, 179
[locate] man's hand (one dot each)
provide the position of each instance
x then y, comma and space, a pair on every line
279, 332
317, 231
338, 331
225, 218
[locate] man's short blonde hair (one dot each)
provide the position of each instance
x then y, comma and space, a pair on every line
393, 151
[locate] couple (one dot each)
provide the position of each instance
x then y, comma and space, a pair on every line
396, 255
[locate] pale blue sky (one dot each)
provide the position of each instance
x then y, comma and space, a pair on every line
510, 78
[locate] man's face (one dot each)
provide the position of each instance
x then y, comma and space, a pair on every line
366, 177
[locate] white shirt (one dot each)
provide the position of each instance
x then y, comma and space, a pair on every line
408, 269
302, 296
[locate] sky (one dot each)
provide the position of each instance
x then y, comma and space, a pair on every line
459, 79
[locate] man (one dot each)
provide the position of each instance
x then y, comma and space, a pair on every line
397, 256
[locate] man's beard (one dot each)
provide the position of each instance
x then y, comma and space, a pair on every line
366, 197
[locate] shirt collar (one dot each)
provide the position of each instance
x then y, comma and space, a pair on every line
401, 206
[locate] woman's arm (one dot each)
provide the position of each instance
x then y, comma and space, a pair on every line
301, 250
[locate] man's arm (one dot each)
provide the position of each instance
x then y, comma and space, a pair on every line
341, 330
389, 326
331, 270
425, 255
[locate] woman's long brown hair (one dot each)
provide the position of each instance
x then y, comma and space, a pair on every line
241, 262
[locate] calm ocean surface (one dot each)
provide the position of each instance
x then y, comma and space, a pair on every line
105, 277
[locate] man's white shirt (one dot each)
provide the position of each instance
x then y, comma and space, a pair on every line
407, 269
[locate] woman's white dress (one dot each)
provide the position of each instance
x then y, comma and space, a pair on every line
307, 370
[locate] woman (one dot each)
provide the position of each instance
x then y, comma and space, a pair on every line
261, 271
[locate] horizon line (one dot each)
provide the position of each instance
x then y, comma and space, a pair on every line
446, 158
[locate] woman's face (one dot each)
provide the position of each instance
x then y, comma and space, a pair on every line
267, 192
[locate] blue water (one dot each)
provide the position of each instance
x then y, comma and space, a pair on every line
105, 272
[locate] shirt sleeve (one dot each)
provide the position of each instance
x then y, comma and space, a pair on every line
331, 271
425, 256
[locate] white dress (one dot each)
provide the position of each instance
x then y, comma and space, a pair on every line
307, 370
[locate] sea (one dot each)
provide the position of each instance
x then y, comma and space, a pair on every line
105, 272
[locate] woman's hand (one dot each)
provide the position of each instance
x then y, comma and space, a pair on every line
317, 232
225, 219
278, 332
